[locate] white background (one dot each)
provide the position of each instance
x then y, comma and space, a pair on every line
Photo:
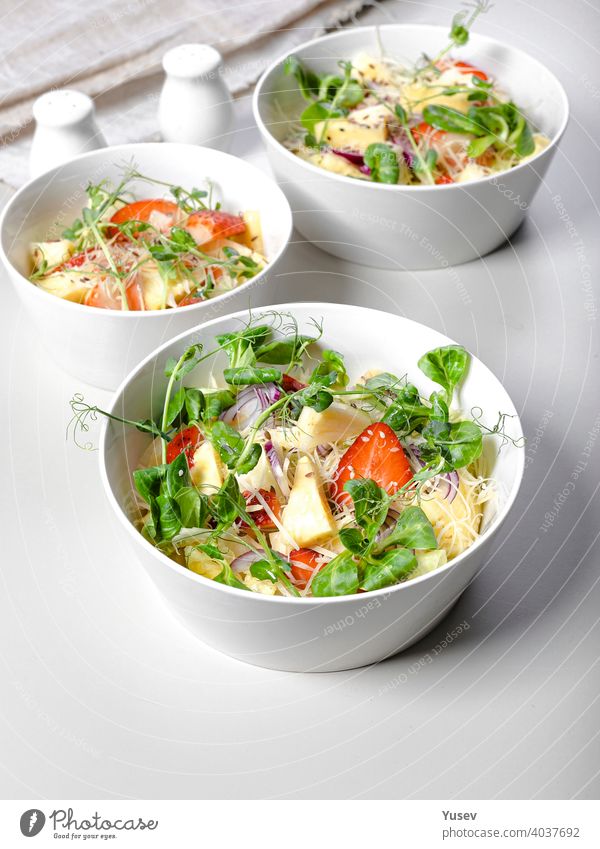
105, 695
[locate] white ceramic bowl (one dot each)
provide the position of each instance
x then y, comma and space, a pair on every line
411, 227
102, 346
311, 634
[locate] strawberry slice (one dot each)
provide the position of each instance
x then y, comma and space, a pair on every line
290, 384
467, 68
204, 225
187, 440
208, 224
376, 454
260, 517
109, 298
195, 297
199, 294
305, 562
141, 210
425, 132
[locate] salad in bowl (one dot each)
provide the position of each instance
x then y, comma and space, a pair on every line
284, 475
403, 147
150, 253
301, 504
118, 250
438, 121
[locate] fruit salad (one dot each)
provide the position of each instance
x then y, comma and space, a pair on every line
282, 476
441, 121
153, 253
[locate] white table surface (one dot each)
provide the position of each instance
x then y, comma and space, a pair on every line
105, 695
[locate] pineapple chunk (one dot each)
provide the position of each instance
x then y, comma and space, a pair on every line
281, 543
336, 164
52, 252
307, 517
365, 67
206, 471
241, 249
258, 586
418, 96
284, 438
253, 237
471, 171
428, 561
260, 477
447, 518
371, 116
347, 135
153, 287
155, 290
338, 422
201, 563
65, 284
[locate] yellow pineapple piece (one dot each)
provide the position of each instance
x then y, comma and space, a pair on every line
307, 517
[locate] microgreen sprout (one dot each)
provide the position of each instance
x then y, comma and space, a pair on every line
83, 413
499, 429
460, 30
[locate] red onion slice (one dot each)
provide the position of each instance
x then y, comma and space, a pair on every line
267, 393
245, 561
446, 484
388, 525
246, 403
250, 403
442, 486
453, 484
277, 469
414, 455
400, 140
351, 156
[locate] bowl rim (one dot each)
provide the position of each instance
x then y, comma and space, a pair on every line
481, 540
142, 314
270, 139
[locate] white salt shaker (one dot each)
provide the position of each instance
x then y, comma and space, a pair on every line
65, 127
195, 105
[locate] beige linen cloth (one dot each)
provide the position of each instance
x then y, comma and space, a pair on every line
113, 50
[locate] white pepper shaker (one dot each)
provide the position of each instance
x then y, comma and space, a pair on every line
195, 105
65, 127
